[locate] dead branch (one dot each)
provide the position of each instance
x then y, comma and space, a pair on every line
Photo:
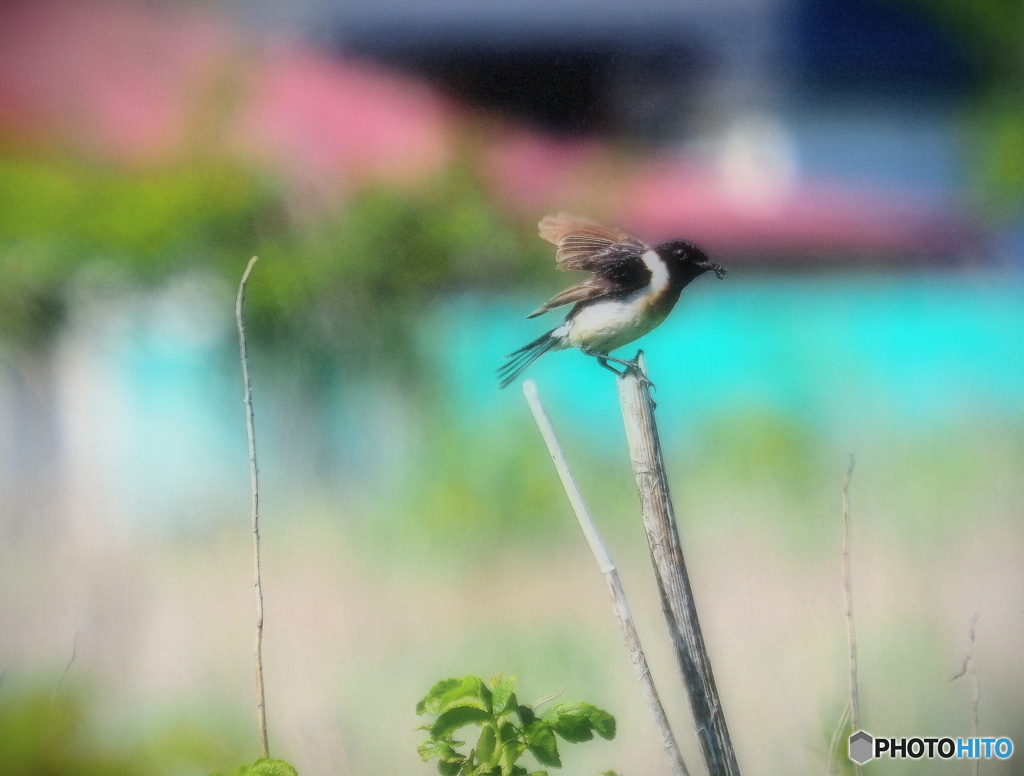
677, 600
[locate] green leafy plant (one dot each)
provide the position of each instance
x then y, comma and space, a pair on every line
508, 729
266, 766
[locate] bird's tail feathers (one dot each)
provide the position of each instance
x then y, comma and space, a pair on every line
517, 361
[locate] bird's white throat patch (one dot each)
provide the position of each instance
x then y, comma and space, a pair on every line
658, 268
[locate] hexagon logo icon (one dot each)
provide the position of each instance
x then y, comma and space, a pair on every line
862, 747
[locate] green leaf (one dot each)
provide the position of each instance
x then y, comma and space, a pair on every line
503, 699
508, 733
577, 722
448, 768
526, 715
510, 705
446, 693
266, 767
511, 752
433, 748
485, 746
432, 698
453, 719
609, 773
511, 747
542, 744
485, 695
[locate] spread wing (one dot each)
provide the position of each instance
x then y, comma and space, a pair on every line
613, 256
588, 245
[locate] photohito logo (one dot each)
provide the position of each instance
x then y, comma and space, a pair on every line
864, 747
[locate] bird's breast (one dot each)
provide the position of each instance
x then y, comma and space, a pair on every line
608, 324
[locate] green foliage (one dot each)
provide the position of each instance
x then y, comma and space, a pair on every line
989, 31
265, 766
43, 733
39, 737
354, 283
324, 278
756, 446
577, 722
140, 219
502, 488
64, 222
996, 151
835, 749
508, 729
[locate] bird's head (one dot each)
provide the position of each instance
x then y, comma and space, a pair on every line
689, 258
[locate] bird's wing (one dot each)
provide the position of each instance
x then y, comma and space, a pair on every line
614, 258
588, 245
588, 289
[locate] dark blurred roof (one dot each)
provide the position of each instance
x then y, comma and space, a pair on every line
523, 22
531, 22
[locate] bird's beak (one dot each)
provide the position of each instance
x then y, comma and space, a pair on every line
718, 269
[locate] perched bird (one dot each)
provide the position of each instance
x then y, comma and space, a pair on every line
632, 288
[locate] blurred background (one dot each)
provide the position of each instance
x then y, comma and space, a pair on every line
857, 164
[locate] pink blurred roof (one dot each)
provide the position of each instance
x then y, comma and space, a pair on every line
116, 79
668, 198
137, 83
331, 121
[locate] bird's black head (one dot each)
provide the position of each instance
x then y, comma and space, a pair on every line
688, 259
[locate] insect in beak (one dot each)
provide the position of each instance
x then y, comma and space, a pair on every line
718, 269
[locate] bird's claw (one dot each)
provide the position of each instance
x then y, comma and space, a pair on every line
634, 367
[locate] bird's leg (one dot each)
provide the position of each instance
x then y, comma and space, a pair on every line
603, 361
622, 361
634, 365
604, 358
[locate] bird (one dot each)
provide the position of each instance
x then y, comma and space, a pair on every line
631, 290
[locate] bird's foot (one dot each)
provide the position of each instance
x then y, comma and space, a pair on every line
630, 366
634, 367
